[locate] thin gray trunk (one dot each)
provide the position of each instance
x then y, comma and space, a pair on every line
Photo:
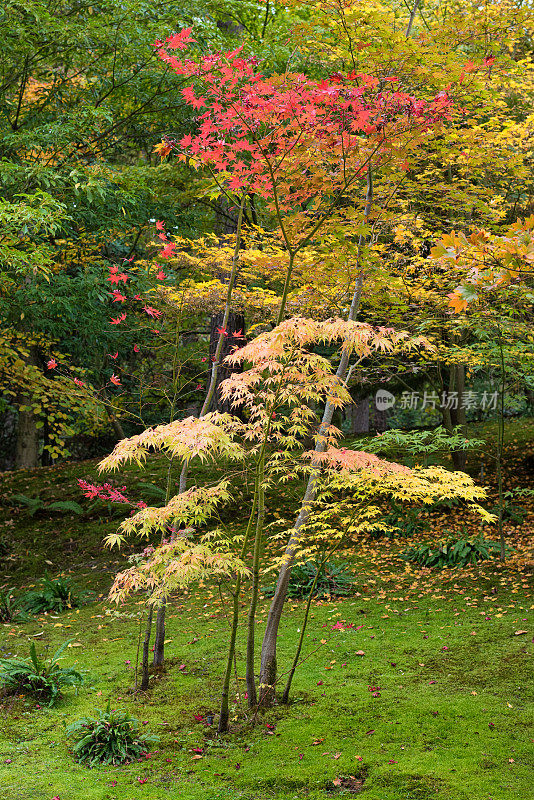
159, 638
146, 648
268, 666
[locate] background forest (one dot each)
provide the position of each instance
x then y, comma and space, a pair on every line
266, 398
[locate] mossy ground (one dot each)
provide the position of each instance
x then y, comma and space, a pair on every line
451, 719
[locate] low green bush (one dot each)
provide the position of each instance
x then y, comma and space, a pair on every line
42, 679
112, 737
53, 595
405, 522
35, 505
452, 553
10, 607
334, 580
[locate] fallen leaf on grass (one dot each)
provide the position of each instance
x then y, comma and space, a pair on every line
519, 633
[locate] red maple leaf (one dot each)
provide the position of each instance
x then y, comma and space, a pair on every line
152, 312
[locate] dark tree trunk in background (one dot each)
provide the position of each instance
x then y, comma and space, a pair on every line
357, 414
454, 381
8, 439
235, 337
225, 217
27, 446
379, 421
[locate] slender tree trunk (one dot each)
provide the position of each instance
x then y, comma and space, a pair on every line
250, 674
217, 358
268, 667
159, 644
500, 451
285, 695
224, 715
412, 18
159, 638
146, 648
234, 337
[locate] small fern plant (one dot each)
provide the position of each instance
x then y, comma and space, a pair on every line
42, 679
53, 595
112, 737
10, 607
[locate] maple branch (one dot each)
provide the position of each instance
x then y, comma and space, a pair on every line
412, 18
217, 357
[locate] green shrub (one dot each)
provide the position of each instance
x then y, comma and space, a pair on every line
112, 737
400, 521
10, 607
35, 504
452, 553
53, 595
334, 581
42, 679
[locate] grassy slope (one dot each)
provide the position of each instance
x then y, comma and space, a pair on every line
451, 720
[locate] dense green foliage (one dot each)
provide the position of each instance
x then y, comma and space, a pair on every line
452, 553
333, 580
53, 595
41, 678
112, 737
